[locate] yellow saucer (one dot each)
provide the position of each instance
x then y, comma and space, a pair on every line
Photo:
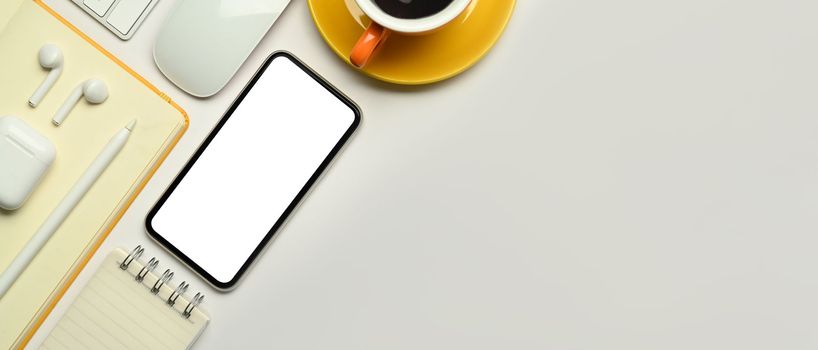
422, 59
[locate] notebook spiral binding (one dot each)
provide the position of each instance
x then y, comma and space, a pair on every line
164, 278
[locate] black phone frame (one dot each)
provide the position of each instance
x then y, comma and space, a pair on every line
296, 200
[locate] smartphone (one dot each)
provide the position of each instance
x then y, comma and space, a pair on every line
252, 170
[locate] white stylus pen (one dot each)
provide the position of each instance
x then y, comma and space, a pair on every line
58, 215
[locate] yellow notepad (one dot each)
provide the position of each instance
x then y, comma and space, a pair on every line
25, 26
117, 311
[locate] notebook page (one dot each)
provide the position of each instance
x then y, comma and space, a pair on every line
114, 311
7, 9
28, 26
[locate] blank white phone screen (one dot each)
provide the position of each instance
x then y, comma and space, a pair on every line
253, 168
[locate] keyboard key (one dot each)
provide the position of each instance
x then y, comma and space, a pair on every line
99, 6
126, 13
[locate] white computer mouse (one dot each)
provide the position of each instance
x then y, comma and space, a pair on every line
203, 43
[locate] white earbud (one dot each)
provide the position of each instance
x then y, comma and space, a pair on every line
94, 91
50, 57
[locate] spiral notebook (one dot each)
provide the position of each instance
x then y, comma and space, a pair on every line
126, 305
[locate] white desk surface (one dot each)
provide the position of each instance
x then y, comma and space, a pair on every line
628, 174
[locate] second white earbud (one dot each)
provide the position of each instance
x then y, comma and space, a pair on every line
95, 92
50, 57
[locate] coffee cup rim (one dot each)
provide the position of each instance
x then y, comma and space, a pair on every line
415, 25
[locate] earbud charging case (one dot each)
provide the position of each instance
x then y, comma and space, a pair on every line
25, 156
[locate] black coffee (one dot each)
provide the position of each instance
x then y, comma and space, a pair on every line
411, 9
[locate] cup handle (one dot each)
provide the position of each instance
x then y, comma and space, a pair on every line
365, 48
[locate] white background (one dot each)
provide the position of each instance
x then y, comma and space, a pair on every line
632, 174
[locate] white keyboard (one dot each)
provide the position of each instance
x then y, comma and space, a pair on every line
122, 17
